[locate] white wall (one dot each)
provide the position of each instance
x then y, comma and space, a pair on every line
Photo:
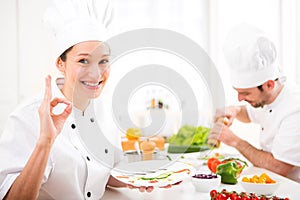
9, 84
26, 45
25, 52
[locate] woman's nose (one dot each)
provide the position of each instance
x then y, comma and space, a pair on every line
95, 71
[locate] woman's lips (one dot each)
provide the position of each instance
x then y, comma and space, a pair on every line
91, 85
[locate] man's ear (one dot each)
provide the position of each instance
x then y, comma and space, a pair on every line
60, 65
270, 84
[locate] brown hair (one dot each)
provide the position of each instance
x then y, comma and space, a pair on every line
63, 56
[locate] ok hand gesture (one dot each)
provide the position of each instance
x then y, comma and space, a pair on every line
52, 124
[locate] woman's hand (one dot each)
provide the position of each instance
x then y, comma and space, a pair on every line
142, 188
28, 183
51, 124
151, 188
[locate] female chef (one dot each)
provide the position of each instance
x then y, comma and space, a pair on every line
42, 155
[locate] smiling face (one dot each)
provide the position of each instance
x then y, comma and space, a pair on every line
86, 70
256, 97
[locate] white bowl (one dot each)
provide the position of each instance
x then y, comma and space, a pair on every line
206, 185
260, 188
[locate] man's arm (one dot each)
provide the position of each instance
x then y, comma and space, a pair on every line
257, 157
262, 159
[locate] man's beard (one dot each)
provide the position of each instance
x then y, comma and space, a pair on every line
258, 104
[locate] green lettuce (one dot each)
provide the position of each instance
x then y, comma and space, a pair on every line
190, 135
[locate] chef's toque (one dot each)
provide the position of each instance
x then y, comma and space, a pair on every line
251, 57
75, 21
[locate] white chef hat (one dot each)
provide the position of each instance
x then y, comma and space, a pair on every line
75, 21
251, 57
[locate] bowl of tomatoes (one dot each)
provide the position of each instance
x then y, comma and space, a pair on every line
261, 184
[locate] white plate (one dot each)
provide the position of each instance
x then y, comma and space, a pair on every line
135, 173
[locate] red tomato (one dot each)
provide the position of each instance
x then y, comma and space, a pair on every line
235, 197
227, 194
246, 197
214, 165
221, 197
210, 161
213, 194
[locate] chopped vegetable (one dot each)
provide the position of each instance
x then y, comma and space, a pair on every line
263, 178
161, 176
229, 169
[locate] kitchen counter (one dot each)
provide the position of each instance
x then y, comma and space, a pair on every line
186, 190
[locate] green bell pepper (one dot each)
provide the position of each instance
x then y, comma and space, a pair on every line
230, 171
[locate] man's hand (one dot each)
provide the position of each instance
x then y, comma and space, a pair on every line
230, 113
223, 133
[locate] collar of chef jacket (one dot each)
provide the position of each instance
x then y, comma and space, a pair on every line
94, 146
96, 141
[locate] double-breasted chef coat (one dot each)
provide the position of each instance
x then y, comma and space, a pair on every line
73, 171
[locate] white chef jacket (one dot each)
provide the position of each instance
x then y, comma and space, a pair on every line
71, 172
280, 127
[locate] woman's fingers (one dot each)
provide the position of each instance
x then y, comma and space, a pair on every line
142, 188
56, 101
44, 108
67, 111
48, 92
149, 189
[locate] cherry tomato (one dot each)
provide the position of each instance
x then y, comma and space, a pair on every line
227, 194
221, 197
246, 197
213, 194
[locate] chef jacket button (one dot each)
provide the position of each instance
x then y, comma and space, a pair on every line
88, 194
106, 150
262, 128
270, 110
88, 158
73, 126
92, 119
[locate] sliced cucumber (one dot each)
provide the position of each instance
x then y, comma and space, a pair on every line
161, 176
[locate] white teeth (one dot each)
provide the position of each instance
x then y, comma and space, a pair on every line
91, 84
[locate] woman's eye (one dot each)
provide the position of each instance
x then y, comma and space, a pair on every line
83, 61
104, 61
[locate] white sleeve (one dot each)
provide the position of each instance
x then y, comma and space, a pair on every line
286, 146
16, 145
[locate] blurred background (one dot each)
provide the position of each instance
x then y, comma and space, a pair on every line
26, 45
